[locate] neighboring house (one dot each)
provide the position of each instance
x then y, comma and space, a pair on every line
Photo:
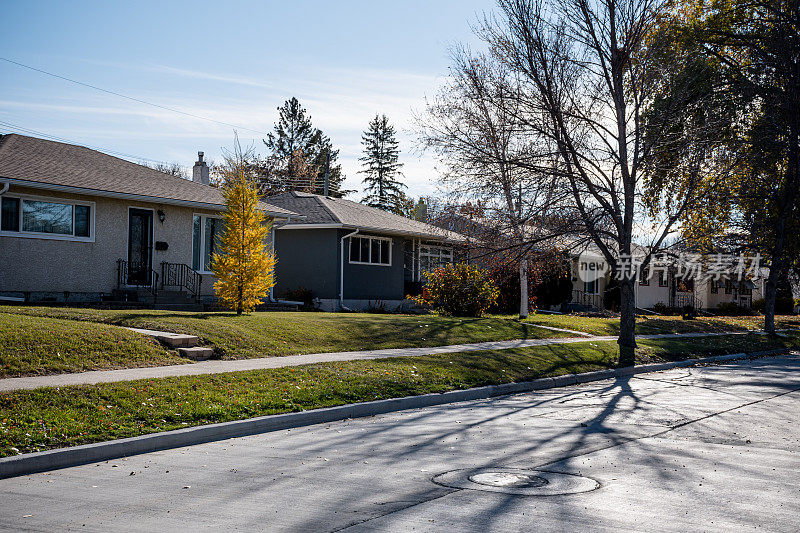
81, 226
351, 256
664, 286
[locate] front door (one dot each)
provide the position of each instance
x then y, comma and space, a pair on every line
140, 246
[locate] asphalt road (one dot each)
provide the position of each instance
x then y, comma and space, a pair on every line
698, 449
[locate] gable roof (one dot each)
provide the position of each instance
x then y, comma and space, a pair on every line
324, 211
39, 163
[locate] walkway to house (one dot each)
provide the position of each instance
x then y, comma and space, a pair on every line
220, 367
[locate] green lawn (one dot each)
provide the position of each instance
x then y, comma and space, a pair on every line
45, 418
664, 324
280, 333
35, 345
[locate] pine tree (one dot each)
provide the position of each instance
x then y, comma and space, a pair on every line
299, 154
381, 166
244, 265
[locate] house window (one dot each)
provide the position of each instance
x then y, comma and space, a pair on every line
371, 251
644, 276
10, 214
714, 286
590, 287
746, 288
662, 279
206, 232
728, 286
45, 218
433, 257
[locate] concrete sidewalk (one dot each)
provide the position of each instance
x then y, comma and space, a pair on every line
219, 367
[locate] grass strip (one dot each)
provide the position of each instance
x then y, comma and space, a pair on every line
290, 333
32, 345
52, 418
665, 324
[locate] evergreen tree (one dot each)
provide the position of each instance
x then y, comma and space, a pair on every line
299, 155
244, 265
381, 167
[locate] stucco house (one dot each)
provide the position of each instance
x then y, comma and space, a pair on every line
351, 256
79, 225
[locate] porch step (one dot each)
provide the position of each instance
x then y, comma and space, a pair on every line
197, 353
173, 340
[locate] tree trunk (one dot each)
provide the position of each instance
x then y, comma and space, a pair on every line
770, 295
523, 289
627, 323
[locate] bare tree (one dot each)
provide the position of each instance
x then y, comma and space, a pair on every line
587, 73
173, 169
491, 161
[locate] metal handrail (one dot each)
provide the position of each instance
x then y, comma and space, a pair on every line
182, 276
685, 299
124, 279
587, 299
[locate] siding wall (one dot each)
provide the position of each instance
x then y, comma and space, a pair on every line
307, 259
310, 258
375, 282
49, 265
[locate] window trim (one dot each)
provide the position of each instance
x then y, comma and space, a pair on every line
644, 277
438, 256
370, 238
202, 216
52, 236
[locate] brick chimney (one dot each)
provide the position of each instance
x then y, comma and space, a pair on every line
200, 170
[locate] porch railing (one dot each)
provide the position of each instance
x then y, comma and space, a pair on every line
685, 299
587, 299
182, 276
131, 276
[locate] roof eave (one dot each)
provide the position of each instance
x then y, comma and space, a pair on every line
137, 197
429, 236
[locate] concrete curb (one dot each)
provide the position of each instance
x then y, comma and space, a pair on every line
31, 463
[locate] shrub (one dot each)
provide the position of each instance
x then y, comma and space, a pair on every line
549, 282
783, 305
663, 309
732, 309
459, 290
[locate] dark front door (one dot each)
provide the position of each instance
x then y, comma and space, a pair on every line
140, 246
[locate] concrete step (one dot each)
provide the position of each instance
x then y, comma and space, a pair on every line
172, 340
197, 353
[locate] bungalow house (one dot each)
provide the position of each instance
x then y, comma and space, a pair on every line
666, 286
82, 226
351, 256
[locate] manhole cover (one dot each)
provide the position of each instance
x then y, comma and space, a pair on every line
508, 479
517, 481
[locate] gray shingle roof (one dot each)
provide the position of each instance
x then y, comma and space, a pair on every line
337, 211
42, 162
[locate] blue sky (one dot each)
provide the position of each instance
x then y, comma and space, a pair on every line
231, 61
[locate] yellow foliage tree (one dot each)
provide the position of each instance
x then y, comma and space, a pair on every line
244, 265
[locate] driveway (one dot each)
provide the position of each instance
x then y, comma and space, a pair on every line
707, 448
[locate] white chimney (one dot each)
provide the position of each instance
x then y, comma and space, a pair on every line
200, 170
